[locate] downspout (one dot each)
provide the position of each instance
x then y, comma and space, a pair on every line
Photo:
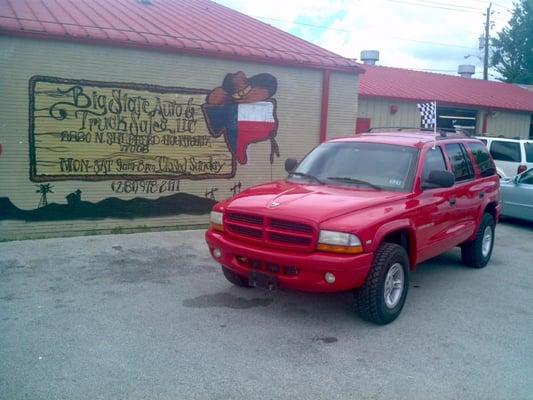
485, 122
325, 106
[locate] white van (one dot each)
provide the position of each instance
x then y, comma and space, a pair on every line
512, 156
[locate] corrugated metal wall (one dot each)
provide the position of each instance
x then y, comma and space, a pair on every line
342, 105
381, 115
298, 100
509, 124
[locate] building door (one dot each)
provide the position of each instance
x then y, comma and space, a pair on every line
362, 125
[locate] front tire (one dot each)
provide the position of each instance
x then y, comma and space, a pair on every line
477, 253
234, 278
381, 298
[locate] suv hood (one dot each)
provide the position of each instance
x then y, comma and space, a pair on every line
313, 203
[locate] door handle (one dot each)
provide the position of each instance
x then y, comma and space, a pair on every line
481, 195
453, 201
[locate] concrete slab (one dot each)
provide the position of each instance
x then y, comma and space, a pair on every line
151, 316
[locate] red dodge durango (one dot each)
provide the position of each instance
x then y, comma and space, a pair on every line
359, 214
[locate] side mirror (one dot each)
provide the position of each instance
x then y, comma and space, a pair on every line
439, 179
516, 179
290, 164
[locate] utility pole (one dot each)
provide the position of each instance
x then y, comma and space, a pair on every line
486, 57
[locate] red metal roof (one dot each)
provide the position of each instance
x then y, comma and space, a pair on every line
200, 27
404, 84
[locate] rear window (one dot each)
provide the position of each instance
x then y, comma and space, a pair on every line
505, 151
461, 165
483, 160
529, 151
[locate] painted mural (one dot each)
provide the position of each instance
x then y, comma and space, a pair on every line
100, 131
244, 111
144, 139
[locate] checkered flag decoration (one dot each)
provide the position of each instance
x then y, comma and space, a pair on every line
428, 111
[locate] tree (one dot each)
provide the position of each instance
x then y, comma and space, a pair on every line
513, 47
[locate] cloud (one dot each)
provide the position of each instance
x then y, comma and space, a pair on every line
407, 35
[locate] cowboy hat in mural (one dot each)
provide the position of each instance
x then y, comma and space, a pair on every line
243, 110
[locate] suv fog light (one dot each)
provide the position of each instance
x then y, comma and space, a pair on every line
329, 277
217, 253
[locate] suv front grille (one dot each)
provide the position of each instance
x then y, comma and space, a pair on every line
274, 232
290, 226
250, 219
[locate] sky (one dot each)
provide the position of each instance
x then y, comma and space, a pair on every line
434, 35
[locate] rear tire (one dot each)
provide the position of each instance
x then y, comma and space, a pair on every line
476, 253
236, 279
381, 298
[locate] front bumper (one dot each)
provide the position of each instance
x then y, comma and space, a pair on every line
350, 270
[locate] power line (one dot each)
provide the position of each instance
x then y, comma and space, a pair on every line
448, 5
485, 2
435, 6
442, 70
302, 23
351, 31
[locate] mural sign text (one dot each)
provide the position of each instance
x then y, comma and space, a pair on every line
88, 130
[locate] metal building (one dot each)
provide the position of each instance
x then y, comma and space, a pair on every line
127, 114
388, 97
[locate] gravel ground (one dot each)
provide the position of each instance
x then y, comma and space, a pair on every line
150, 316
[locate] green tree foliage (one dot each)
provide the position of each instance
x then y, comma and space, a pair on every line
513, 46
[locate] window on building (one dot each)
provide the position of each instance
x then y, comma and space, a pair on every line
461, 165
505, 151
483, 160
434, 162
457, 118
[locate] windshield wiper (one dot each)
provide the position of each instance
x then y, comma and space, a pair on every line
303, 174
347, 179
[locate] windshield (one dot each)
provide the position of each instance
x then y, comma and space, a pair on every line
365, 165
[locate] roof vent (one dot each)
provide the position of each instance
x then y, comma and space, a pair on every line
145, 2
466, 71
370, 57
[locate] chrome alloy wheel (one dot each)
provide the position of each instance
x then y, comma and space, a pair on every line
486, 243
394, 285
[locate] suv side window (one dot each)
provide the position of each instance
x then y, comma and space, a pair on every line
461, 164
527, 177
505, 151
529, 152
483, 160
434, 162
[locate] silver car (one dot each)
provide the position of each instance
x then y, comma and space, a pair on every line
517, 196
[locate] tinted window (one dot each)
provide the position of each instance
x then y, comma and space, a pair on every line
529, 152
461, 165
505, 151
434, 162
527, 177
483, 160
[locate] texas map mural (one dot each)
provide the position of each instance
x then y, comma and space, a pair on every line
144, 139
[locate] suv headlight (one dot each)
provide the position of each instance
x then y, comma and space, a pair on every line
339, 242
216, 221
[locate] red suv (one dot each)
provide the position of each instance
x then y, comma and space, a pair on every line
359, 214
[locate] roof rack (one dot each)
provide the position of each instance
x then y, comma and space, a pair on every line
443, 132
